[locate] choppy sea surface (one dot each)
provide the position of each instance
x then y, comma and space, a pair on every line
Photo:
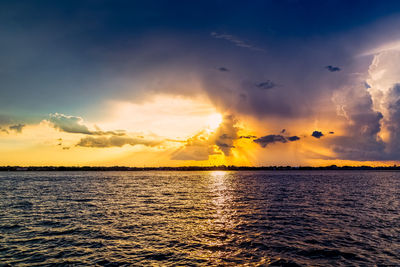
275, 218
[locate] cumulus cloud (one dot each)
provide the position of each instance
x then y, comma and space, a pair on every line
270, 139
74, 124
226, 134
202, 145
332, 68
372, 110
69, 124
236, 41
116, 141
17, 128
384, 91
317, 134
361, 140
196, 148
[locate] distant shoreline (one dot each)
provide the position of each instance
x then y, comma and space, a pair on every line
197, 168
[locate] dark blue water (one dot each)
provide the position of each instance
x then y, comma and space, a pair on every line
330, 218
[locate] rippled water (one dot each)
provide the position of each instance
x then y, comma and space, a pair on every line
200, 218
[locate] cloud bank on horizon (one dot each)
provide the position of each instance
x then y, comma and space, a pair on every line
329, 73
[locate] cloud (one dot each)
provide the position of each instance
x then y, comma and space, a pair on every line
270, 139
317, 134
69, 124
245, 92
248, 136
372, 112
116, 141
73, 124
223, 69
98, 138
293, 138
224, 145
196, 148
17, 128
332, 68
3, 130
202, 145
392, 118
226, 134
360, 140
236, 41
268, 84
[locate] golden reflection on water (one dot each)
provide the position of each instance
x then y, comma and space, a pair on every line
220, 231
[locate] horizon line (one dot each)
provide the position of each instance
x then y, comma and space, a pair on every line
193, 168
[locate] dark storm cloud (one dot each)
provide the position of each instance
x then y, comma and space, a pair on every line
293, 138
332, 68
17, 128
268, 84
270, 139
392, 120
317, 134
303, 82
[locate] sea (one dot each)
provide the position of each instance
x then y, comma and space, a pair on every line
202, 218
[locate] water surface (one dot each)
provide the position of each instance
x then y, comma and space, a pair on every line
318, 218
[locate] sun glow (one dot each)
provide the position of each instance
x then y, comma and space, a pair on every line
214, 120
164, 115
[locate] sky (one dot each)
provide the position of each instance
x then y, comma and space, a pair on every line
178, 83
